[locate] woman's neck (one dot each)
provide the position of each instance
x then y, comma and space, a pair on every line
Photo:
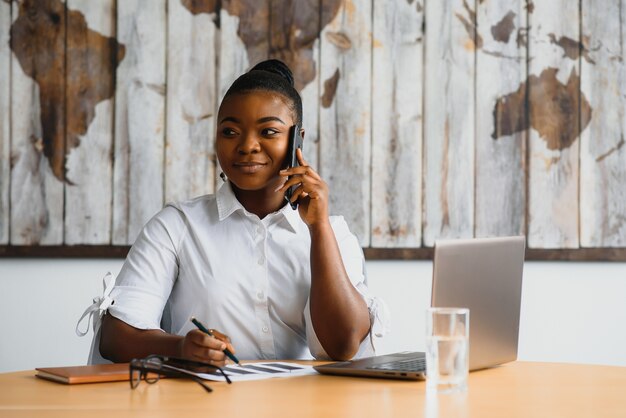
260, 202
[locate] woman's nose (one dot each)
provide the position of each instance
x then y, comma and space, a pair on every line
248, 144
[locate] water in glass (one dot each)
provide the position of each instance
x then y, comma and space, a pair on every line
447, 362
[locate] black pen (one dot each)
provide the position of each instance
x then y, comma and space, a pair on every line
202, 328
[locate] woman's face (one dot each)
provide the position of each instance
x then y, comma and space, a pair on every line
252, 138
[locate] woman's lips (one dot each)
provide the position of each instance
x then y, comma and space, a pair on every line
249, 167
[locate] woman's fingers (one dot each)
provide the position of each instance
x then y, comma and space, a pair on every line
211, 354
200, 346
292, 181
308, 187
223, 337
299, 193
300, 157
304, 187
219, 335
299, 175
300, 170
200, 338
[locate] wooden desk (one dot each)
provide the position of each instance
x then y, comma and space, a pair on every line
517, 389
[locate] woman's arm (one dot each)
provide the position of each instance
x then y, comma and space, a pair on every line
120, 342
338, 312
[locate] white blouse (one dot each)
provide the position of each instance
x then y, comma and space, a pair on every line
247, 277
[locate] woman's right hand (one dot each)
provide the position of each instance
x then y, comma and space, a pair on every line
201, 347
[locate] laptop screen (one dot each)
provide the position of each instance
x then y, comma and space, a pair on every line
484, 275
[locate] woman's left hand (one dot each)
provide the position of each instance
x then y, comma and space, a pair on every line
311, 191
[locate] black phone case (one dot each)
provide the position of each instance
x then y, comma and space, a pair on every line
295, 142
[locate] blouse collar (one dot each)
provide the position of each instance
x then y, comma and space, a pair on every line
227, 204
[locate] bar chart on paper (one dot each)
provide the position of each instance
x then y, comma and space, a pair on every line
260, 371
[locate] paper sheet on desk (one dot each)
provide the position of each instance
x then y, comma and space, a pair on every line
259, 371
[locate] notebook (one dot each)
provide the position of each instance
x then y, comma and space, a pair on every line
86, 374
482, 274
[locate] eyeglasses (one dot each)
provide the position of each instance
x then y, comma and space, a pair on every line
153, 367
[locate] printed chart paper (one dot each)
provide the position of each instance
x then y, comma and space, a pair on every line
259, 371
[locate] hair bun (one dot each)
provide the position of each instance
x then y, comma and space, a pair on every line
277, 67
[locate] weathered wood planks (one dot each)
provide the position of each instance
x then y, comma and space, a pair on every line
139, 117
5, 120
310, 112
522, 104
501, 131
294, 39
345, 116
603, 154
397, 124
232, 58
37, 94
90, 88
555, 120
191, 103
449, 118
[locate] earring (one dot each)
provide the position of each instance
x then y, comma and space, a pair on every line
223, 176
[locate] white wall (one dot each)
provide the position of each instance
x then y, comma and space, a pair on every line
571, 312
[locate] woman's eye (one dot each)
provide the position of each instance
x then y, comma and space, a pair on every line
228, 132
269, 132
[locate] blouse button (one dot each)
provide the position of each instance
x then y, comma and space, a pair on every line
265, 329
260, 295
261, 261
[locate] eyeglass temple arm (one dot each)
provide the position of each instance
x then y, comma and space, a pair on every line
201, 383
192, 374
182, 375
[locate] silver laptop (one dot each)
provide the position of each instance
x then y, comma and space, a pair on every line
482, 274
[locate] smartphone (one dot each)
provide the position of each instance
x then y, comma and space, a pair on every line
295, 142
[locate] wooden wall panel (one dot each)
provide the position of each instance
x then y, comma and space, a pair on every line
5, 120
449, 120
345, 125
233, 58
505, 117
555, 120
397, 124
500, 116
294, 39
90, 86
139, 117
310, 112
37, 92
603, 155
191, 103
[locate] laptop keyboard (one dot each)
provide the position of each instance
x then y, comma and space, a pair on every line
411, 365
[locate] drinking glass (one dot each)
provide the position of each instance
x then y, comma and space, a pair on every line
447, 349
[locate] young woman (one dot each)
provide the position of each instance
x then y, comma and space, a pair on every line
282, 283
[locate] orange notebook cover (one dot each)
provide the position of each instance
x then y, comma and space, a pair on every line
85, 374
